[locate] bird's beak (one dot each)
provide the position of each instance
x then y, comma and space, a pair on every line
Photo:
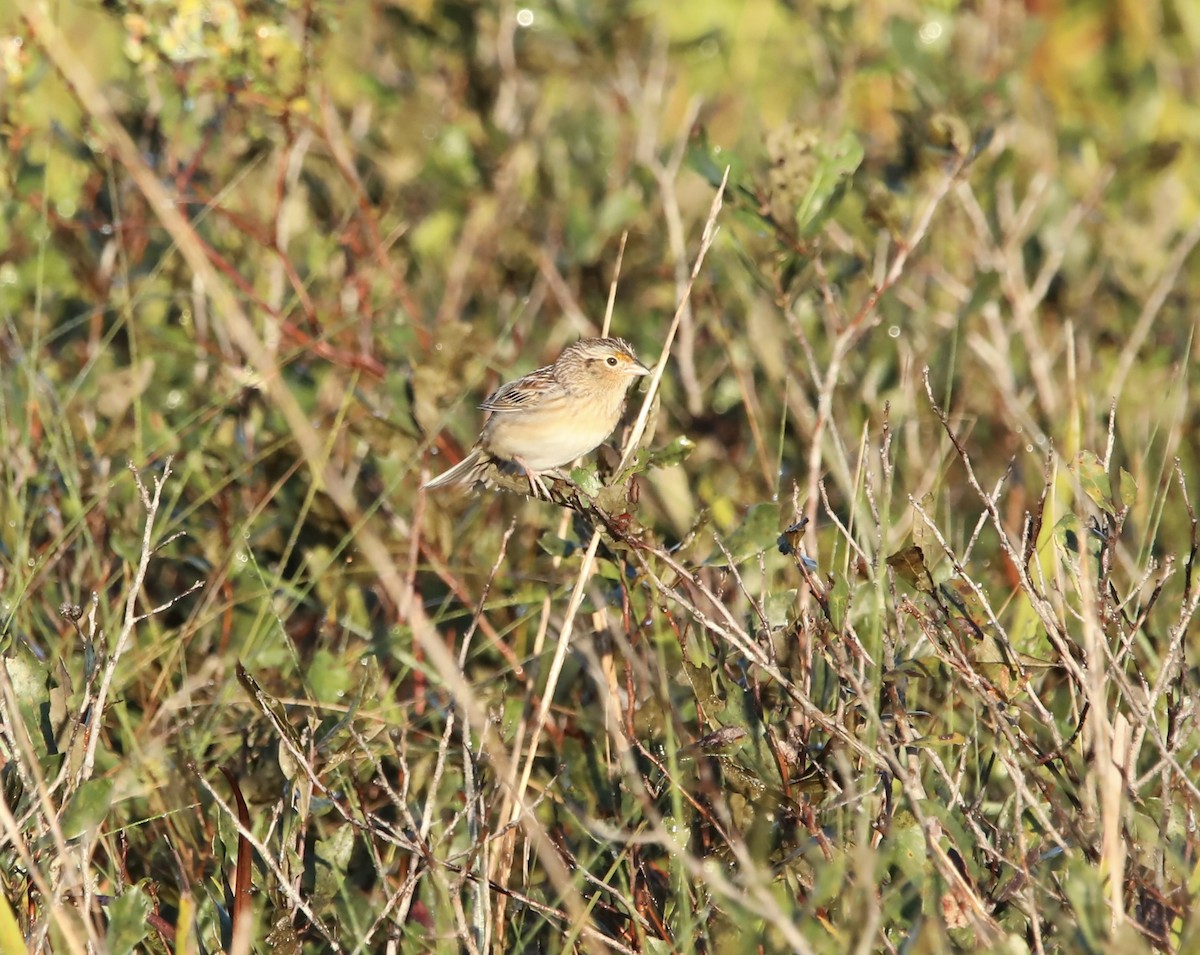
637, 369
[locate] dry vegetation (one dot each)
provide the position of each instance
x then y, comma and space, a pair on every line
877, 637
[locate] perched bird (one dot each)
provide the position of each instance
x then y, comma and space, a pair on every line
553, 415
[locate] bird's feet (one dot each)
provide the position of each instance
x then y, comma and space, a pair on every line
537, 486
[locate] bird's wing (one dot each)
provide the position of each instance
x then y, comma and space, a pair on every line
519, 394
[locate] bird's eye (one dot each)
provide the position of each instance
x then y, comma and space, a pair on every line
612, 361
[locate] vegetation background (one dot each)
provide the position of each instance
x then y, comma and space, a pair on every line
259, 261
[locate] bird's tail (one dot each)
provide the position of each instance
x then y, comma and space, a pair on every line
467, 471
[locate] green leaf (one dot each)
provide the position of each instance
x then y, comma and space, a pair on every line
698, 664
674, 453
1093, 479
1129, 489
909, 565
702, 159
26, 673
943, 739
585, 479
511, 720
614, 500
830, 882
30, 679
87, 808
368, 678
836, 163
1086, 895
329, 676
758, 531
556, 546
905, 848
953, 829
11, 940
432, 237
966, 606
609, 570
839, 603
127, 925
711, 161
332, 861
779, 606
270, 707
595, 227
916, 668
1070, 536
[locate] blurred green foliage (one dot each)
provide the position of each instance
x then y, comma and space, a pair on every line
415, 201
